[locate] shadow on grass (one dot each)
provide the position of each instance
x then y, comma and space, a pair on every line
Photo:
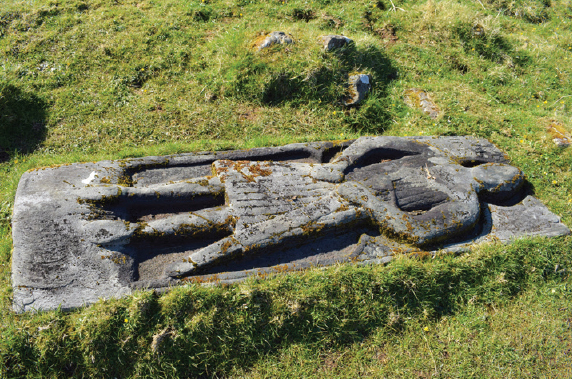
22, 121
280, 77
340, 307
324, 82
207, 332
328, 83
493, 47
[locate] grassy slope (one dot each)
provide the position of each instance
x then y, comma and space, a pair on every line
88, 80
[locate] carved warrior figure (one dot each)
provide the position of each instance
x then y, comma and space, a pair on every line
101, 229
412, 191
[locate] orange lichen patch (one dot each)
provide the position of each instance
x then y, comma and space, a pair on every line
254, 169
224, 165
202, 182
409, 227
247, 249
258, 41
230, 221
126, 181
260, 169
351, 95
188, 230
48, 167
281, 268
312, 228
202, 279
559, 134
264, 41
238, 165
225, 246
417, 98
359, 84
220, 170
478, 30
116, 258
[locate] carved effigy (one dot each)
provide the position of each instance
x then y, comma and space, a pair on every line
91, 230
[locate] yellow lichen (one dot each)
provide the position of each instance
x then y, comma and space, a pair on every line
558, 132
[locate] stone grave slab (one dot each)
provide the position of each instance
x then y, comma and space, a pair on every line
86, 231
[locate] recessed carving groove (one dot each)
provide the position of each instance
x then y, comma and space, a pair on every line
376, 156
136, 208
471, 162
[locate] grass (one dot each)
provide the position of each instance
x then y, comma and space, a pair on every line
102, 79
403, 312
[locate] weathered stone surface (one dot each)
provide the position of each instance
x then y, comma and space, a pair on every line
359, 86
478, 30
331, 41
279, 38
91, 230
560, 136
417, 98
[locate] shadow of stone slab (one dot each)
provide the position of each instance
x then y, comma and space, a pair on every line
23, 117
98, 230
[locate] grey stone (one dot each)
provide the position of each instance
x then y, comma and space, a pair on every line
278, 38
332, 42
478, 31
359, 86
97, 230
417, 98
560, 136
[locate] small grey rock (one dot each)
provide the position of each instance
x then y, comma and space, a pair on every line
418, 98
279, 38
560, 135
358, 87
561, 142
331, 41
478, 30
